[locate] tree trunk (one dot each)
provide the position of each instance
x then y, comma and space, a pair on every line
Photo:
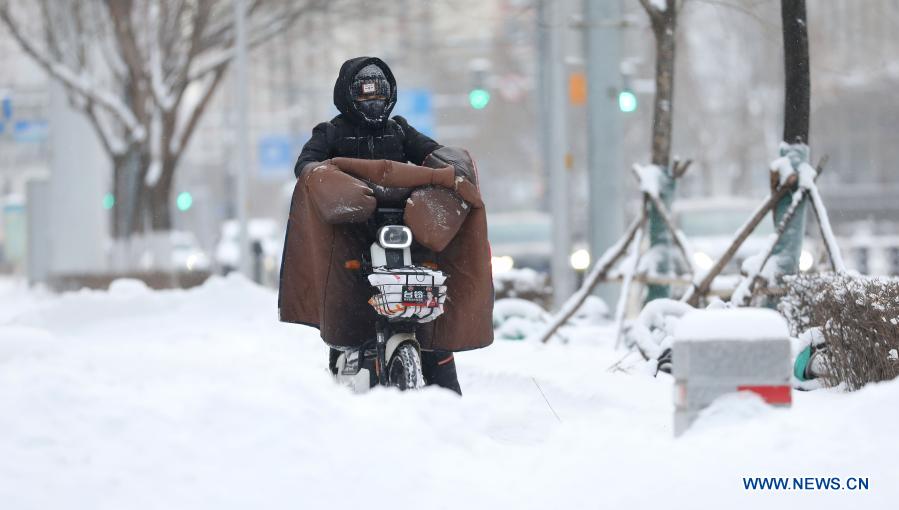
159, 210
663, 26
796, 70
127, 210
662, 110
160, 206
118, 212
797, 97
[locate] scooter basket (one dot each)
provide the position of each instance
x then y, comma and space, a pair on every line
408, 293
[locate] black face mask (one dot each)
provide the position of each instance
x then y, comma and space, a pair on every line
372, 109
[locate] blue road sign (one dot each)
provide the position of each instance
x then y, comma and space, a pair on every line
275, 155
416, 106
6, 108
30, 130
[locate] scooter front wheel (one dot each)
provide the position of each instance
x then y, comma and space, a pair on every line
404, 368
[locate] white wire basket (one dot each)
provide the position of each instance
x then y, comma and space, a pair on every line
410, 293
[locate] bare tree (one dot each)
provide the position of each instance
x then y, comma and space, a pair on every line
797, 98
142, 72
663, 19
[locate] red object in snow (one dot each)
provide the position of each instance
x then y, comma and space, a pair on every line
771, 394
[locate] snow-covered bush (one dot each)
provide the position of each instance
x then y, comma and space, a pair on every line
517, 319
859, 318
594, 311
653, 331
523, 284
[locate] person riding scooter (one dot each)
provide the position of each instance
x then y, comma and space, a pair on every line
330, 208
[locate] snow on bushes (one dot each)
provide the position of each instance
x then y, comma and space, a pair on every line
652, 333
859, 319
594, 311
524, 284
515, 319
519, 319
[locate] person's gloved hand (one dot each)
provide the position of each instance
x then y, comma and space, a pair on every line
435, 214
338, 197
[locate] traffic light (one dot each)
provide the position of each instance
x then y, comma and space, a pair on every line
478, 98
478, 80
627, 101
108, 201
184, 201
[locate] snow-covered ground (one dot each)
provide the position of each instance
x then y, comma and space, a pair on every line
133, 399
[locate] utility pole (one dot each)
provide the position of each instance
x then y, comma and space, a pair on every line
602, 21
554, 141
241, 95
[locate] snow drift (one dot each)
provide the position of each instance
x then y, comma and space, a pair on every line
200, 399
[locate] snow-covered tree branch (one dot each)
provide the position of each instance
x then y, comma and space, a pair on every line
127, 64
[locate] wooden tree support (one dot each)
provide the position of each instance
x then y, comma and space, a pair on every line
621, 307
836, 259
701, 288
754, 278
666, 216
605, 263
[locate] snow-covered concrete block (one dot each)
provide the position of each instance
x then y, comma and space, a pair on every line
716, 352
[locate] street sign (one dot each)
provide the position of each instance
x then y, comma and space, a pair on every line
30, 130
275, 155
416, 106
6, 108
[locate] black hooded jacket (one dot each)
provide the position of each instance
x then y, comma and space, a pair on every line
349, 135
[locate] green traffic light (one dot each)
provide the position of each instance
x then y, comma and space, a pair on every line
184, 201
478, 98
627, 101
108, 201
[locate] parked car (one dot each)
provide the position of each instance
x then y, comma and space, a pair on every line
186, 252
520, 240
266, 234
176, 250
523, 239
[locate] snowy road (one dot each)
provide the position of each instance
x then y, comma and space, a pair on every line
132, 399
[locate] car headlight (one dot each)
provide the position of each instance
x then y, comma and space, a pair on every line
502, 264
806, 260
395, 237
580, 260
703, 261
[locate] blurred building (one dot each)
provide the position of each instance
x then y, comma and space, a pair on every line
727, 108
856, 113
730, 102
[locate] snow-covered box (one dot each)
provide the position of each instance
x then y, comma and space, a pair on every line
716, 352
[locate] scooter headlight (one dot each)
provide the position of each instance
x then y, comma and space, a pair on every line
395, 237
